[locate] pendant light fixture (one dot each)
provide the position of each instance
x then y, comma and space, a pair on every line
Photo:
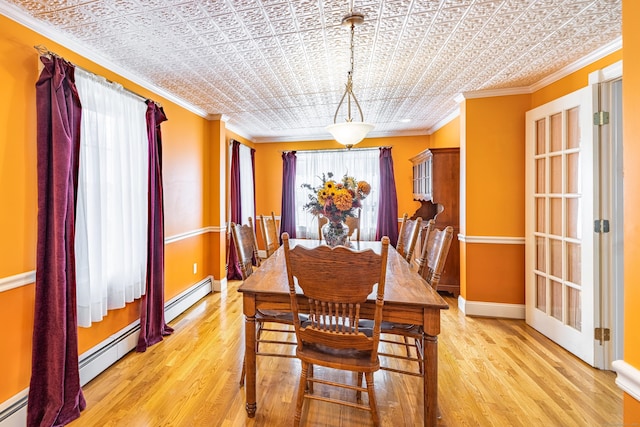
350, 132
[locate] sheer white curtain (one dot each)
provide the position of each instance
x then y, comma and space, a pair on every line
246, 184
363, 164
111, 221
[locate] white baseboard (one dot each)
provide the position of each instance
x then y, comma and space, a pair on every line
491, 309
13, 412
220, 285
628, 378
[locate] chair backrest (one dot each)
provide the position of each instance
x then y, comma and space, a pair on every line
256, 257
269, 229
353, 222
322, 220
336, 283
435, 248
408, 236
243, 238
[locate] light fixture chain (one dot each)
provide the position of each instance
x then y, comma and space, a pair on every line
353, 26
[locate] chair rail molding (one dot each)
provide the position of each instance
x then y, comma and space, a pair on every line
628, 378
492, 240
15, 281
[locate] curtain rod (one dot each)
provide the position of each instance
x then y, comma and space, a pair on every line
43, 51
337, 150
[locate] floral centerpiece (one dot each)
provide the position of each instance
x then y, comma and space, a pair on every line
336, 200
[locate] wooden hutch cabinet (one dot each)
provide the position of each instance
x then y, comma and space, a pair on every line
436, 184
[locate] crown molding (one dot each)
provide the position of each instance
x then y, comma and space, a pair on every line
442, 123
326, 137
33, 24
581, 63
16, 14
488, 93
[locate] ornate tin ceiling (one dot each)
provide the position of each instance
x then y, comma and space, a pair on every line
276, 69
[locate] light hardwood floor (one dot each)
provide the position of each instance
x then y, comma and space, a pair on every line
492, 372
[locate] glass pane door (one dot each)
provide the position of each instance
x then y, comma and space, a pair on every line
559, 217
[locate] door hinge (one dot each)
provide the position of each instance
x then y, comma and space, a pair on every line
601, 226
601, 118
603, 334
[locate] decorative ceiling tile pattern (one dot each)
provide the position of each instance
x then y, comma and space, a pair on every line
277, 68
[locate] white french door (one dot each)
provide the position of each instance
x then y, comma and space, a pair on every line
560, 238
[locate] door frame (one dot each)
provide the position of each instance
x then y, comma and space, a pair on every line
608, 139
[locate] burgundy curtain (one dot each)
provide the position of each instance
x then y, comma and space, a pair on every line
55, 396
388, 202
288, 209
233, 269
152, 323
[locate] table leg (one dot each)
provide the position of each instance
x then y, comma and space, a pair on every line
250, 364
430, 380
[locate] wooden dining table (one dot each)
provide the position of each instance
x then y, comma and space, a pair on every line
408, 299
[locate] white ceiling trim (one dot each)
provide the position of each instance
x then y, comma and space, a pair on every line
455, 113
583, 62
273, 68
20, 17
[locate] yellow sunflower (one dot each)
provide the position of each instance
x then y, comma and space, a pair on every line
322, 196
330, 185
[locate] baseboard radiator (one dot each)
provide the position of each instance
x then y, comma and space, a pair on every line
13, 412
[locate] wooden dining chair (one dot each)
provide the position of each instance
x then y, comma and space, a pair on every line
269, 229
322, 220
244, 241
256, 258
353, 222
275, 322
331, 335
433, 255
408, 236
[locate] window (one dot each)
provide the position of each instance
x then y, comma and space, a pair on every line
246, 185
111, 221
363, 164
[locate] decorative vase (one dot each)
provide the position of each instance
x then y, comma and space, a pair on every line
336, 233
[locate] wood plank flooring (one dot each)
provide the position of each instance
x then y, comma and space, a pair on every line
492, 372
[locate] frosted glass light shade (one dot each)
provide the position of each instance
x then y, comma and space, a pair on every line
349, 133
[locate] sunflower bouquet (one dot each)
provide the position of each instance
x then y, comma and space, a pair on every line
336, 200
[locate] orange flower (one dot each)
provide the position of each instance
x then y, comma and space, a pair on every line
343, 200
364, 187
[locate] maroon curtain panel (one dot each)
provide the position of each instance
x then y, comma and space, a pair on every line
288, 209
388, 201
233, 269
55, 396
152, 324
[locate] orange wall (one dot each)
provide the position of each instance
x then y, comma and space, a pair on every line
495, 273
493, 198
447, 136
18, 185
631, 137
269, 168
494, 152
184, 136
